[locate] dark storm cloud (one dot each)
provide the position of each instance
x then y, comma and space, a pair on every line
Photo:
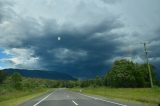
80, 51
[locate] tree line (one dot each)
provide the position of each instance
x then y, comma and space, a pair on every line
123, 73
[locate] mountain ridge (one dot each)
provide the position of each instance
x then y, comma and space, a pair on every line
53, 75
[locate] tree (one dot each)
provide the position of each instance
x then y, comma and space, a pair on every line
125, 73
16, 80
98, 81
142, 68
121, 74
3, 76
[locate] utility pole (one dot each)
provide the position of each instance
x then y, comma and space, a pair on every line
148, 66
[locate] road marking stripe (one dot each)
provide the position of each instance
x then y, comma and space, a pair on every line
42, 100
103, 100
74, 102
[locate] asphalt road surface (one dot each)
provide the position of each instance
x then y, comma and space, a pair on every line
62, 97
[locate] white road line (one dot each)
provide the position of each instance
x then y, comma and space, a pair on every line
74, 102
103, 100
42, 100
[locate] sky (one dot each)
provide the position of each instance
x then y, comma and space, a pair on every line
78, 37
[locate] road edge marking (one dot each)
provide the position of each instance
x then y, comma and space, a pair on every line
74, 102
42, 99
103, 100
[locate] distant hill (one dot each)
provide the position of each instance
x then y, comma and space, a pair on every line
41, 74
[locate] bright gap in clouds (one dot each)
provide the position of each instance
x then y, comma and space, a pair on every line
59, 38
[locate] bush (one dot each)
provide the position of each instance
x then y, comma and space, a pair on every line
125, 73
3, 76
16, 80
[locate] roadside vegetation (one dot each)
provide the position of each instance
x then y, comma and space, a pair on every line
147, 96
125, 80
16, 89
18, 97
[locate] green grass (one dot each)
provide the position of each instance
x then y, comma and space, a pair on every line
146, 96
15, 97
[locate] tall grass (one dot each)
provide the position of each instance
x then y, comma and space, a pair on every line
18, 97
7, 92
144, 95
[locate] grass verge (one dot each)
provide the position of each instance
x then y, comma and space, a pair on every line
18, 97
147, 96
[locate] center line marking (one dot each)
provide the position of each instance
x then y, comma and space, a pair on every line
42, 100
74, 102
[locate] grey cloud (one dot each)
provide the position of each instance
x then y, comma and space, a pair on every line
5, 9
110, 1
64, 55
154, 50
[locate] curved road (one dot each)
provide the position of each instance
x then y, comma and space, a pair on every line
62, 97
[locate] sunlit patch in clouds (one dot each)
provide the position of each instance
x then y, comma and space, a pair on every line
78, 37
21, 58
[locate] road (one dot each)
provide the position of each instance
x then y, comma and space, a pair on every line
62, 97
